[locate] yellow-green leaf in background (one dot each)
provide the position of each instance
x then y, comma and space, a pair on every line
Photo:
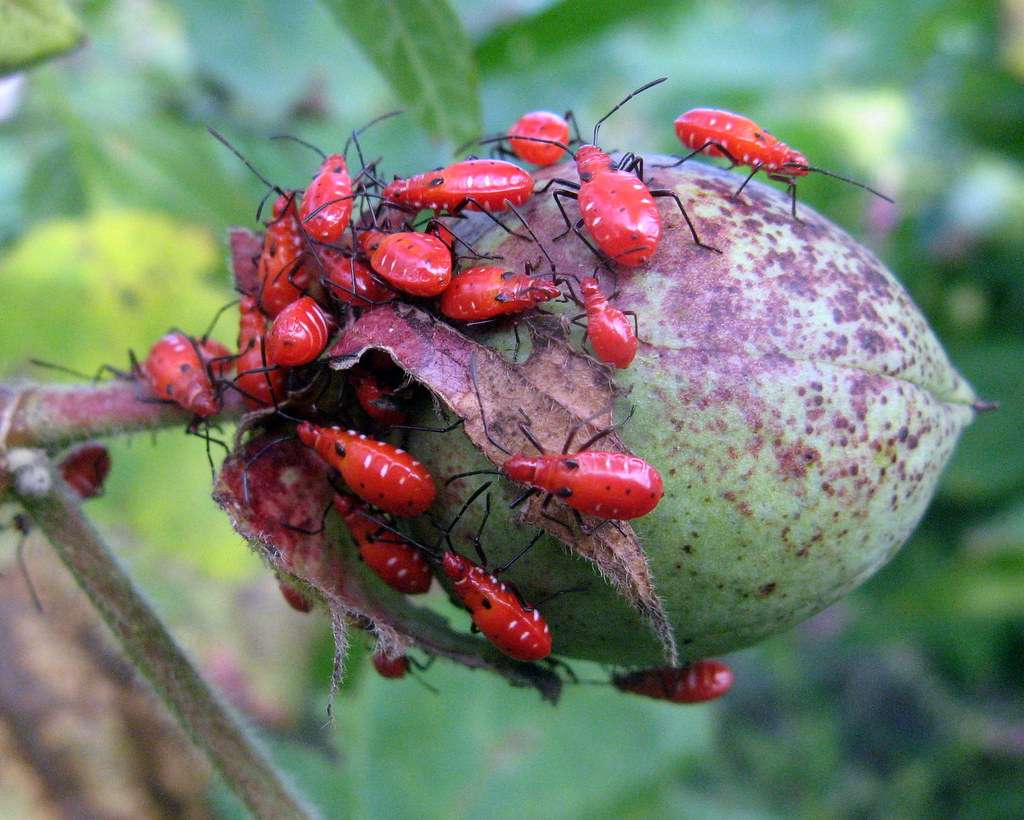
32, 30
81, 292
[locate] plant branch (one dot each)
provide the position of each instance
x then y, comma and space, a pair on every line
55, 509
42, 415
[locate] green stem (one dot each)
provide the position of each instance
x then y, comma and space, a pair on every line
245, 768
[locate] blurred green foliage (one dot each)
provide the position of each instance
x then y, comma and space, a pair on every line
905, 699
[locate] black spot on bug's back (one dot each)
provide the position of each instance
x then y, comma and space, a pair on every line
339, 448
486, 603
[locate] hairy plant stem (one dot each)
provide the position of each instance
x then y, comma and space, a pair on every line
245, 768
50, 416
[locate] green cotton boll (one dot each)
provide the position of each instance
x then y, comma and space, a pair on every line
794, 399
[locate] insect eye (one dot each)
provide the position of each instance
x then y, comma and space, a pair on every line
436, 181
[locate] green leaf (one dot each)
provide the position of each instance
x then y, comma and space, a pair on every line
568, 23
32, 30
420, 47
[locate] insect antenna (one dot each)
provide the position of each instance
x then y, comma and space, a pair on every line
354, 137
308, 145
847, 180
224, 141
597, 125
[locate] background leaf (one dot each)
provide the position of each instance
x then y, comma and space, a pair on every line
32, 30
422, 50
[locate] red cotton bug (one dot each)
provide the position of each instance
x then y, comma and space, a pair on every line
182, 370
349, 280
259, 384
742, 141
517, 630
695, 683
327, 202
299, 333
296, 599
472, 184
542, 124
419, 264
281, 269
604, 484
488, 291
85, 468
379, 473
396, 562
378, 400
612, 335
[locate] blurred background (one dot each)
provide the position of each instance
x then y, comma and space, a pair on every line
905, 699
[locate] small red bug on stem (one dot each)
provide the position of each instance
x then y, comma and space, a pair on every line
379, 473
183, 370
695, 683
742, 141
616, 206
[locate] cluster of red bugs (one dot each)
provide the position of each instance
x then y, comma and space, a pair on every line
349, 242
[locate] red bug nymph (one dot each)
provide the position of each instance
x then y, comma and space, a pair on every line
327, 202
282, 269
517, 630
419, 264
487, 291
698, 682
260, 384
539, 124
611, 333
396, 562
379, 473
299, 333
742, 141
472, 184
183, 370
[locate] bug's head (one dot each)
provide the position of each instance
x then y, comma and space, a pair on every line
308, 433
520, 468
456, 566
794, 164
590, 160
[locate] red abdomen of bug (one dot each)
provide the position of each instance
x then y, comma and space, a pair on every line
488, 181
260, 385
599, 483
611, 333
327, 202
419, 264
379, 473
518, 631
539, 125
349, 280
621, 216
396, 562
176, 369
488, 291
698, 682
299, 334
390, 667
281, 269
